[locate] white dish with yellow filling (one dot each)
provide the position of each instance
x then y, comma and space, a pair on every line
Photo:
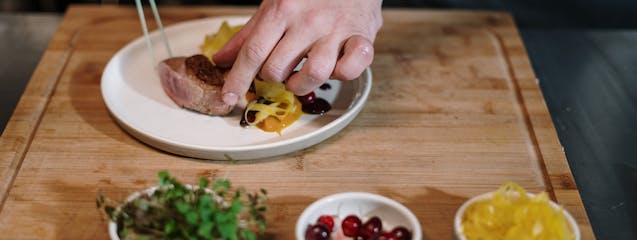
512, 213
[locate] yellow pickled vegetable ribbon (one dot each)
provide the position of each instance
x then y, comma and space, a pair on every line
214, 42
511, 214
281, 101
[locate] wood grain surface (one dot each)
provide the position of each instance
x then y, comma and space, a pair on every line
454, 112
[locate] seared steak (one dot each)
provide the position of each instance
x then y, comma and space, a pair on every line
194, 83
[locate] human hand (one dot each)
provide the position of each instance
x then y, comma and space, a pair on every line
336, 36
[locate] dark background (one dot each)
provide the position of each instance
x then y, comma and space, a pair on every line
584, 54
528, 13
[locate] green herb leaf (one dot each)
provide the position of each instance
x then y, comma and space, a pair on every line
247, 234
236, 206
170, 227
203, 183
182, 207
228, 230
221, 185
123, 233
109, 211
164, 178
192, 217
205, 230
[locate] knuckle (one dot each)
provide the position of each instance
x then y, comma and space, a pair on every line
339, 74
284, 7
343, 74
314, 19
366, 51
318, 73
378, 21
274, 72
379, 24
254, 53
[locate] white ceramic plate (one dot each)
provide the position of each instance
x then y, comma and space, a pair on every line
134, 96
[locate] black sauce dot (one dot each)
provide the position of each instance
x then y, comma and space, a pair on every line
252, 116
319, 106
325, 86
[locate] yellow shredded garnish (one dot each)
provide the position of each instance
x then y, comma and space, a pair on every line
511, 214
276, 107
213, 42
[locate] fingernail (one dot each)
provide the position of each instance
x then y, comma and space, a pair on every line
230, 98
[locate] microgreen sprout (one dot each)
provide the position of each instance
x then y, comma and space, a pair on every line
210, 210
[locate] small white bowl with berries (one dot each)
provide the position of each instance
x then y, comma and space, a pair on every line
357, 215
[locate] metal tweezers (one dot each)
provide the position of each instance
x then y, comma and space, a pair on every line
142, 19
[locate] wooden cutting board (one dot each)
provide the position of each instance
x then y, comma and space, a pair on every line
455, 111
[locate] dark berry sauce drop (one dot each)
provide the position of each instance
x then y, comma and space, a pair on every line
325, 86
319, 106
252, 115
313, 105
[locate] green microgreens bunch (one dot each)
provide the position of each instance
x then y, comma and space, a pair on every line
177, 211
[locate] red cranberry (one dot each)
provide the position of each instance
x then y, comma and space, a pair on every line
387, 236
251, 116
317, 232
350, 225
327, 221
373, 226
361, 237
401, 233
366, 234
307, 99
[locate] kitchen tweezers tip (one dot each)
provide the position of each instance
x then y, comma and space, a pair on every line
142, 19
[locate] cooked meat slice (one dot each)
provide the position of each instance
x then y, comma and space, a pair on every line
194, 83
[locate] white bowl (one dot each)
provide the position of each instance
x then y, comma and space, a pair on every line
112, 226
457, 224
363, 205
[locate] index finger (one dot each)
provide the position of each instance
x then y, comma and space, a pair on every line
228, 53
255, 50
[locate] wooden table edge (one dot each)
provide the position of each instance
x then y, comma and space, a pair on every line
552, 159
